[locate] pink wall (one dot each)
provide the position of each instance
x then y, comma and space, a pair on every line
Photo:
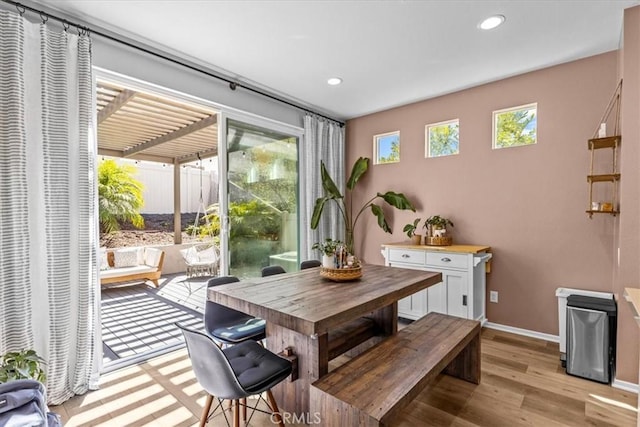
628, 242
527, 203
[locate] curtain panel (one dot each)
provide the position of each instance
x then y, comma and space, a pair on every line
48, 221
323, 141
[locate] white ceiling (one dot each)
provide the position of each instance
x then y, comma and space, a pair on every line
389, 53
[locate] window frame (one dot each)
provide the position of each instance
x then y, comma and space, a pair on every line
494, 126
376, 147
427, 138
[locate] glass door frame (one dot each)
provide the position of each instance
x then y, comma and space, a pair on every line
223, 166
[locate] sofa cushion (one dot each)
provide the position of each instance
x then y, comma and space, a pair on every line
152, 257
126, 271
126, 257
104, 259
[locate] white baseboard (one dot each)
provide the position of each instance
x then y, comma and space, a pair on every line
626, 386
622, 385
525, 332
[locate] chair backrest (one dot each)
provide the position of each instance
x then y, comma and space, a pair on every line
213, 370
310, 263
272, 270
217, 315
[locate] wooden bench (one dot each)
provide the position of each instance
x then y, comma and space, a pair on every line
374, 387
150, 269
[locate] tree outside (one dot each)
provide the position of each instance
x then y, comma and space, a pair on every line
444, 139
119, 196
516, 127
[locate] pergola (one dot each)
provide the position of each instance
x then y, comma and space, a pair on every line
142, 126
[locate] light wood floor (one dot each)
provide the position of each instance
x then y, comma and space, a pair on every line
522, 384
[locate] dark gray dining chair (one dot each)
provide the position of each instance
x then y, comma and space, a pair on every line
235, 373
310, 263
272, 270
226, 325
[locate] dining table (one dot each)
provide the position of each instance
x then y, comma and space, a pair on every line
304, 312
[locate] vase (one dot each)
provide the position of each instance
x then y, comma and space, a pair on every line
327, 261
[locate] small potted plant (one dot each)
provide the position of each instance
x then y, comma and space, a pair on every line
410, 229
328, 249
437, 230
25, 364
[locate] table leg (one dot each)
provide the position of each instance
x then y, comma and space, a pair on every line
313, 363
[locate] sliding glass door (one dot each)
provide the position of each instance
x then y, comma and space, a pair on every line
261, 222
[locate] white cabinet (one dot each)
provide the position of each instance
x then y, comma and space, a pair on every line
462, 291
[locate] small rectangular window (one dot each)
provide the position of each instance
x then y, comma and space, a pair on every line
442, 139
515, 126
386, 148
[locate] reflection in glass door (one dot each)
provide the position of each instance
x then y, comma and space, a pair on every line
262, 188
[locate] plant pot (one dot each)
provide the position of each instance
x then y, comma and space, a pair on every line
327, 261
416, 239
438, 241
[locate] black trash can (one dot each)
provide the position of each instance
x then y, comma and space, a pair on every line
591, 337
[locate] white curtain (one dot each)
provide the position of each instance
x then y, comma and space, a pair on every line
48, 225
323, 141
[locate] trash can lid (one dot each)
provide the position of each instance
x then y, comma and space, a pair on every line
592, 303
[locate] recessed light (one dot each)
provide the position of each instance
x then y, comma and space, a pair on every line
333, 81
492, 22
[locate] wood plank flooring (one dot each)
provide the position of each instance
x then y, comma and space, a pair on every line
522, 384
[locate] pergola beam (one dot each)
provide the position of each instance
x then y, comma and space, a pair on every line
115, 104
145, 157
179, 133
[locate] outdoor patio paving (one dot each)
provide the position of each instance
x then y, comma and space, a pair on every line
138, 319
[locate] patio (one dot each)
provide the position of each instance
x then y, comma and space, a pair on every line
138, 320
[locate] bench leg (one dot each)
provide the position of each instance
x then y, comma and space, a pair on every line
466, 365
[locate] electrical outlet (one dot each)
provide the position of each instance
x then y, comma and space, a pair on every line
493, 296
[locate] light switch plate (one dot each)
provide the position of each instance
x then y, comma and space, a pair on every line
493, 296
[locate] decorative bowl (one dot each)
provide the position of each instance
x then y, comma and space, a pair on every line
341, 274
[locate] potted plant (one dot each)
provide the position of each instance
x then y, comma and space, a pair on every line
346, 209
25, 364
437, 225
328, 249
410, 229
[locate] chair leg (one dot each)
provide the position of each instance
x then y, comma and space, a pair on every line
274, 408
236, 413
205, 410
243, 401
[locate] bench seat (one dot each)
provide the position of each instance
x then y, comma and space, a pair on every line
374, 387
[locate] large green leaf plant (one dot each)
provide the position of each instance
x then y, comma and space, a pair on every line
346, 209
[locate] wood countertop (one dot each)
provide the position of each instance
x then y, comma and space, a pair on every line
467, 249
632, 295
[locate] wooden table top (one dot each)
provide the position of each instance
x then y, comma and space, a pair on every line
468, 249
305, 302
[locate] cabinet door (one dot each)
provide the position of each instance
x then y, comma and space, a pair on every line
457, 293
437, 298
414, 306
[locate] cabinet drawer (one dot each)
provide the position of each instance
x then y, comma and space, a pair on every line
406, 256
447, 260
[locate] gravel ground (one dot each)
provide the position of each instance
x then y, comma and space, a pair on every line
158, 230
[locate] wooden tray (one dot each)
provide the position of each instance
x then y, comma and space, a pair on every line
341, 274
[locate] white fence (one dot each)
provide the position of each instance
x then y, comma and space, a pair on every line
158, 186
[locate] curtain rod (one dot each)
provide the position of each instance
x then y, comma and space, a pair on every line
233, 85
